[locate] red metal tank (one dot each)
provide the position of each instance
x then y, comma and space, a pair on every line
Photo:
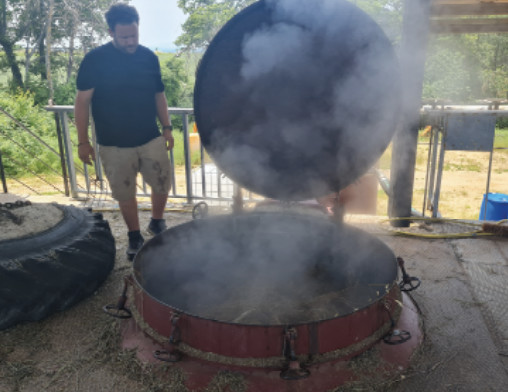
339, 293
237, 283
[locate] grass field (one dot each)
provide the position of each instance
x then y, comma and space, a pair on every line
464, 179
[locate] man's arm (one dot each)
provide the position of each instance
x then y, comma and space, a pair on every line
82, 118
163, 115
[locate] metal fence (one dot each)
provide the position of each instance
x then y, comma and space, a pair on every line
197, 183
203, 180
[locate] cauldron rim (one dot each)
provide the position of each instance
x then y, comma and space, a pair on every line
246, 325
261, 214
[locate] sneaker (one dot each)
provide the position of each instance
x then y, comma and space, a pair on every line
156, 226
135, 244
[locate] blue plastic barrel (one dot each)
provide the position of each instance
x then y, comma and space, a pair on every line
497, 207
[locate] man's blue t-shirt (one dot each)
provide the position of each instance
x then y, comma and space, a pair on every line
123, 102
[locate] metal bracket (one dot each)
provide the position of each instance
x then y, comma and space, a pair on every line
408, 283
171, 354
119, 310
397, 337
293, 370
394, 336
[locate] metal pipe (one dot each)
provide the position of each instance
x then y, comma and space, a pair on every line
62, 154
425, 188
488, 183
435, 204
68, 153
203, 176
432, 179
188, 165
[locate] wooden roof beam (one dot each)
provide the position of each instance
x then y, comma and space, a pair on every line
478, 9
469, 26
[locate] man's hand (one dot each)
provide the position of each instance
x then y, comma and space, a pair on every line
170, 142
86, 153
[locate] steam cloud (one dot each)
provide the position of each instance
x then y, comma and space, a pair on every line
266, 268
314, 103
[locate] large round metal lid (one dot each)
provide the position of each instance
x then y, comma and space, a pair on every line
296, 99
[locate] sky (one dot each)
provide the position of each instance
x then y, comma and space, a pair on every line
160, 23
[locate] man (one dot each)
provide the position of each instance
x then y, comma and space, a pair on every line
122, 82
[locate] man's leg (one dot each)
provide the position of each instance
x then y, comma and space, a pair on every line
158, 204
156, 171
157, 223
129, 210
121, 166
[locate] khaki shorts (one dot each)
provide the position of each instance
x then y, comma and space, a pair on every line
122, 166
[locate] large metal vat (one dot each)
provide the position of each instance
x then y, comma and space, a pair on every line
293, 100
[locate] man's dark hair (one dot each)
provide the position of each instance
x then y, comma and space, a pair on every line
121, 14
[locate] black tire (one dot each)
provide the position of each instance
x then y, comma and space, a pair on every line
51, 271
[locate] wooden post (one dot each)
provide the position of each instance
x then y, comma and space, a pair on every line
415, 32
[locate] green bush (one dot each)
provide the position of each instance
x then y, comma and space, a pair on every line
502, 122
178, 151
63, 93
21, 152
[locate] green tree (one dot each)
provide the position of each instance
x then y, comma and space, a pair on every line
14, 24
446, 76
26, 23
386, 13
21, 151
465, 68
176, 81
491, 51
205, 18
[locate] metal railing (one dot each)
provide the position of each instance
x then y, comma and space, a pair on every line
202, 182
457, 128
25, 150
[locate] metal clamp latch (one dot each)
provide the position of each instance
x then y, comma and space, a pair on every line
119, 310
408, 283
171, 354
294, 370
394, 336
